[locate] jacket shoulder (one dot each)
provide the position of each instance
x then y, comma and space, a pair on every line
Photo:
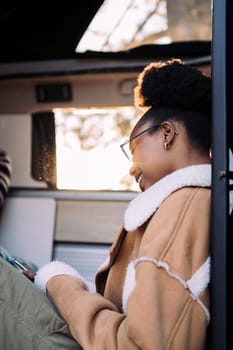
178, 232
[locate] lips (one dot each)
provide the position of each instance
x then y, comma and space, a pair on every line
138, 175
139, 179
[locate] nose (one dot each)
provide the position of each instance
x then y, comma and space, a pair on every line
133, 170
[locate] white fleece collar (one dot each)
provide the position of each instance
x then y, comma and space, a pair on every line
146, 203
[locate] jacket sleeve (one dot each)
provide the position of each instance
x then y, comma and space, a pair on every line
94, 321
5, 175
161, 312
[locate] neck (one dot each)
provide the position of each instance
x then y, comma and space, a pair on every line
193, 160
190, 156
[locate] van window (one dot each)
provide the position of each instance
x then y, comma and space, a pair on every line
88, 154
126, 24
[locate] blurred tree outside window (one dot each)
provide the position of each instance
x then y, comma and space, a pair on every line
88, 148
126, 24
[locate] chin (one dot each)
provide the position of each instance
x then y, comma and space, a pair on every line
142, 188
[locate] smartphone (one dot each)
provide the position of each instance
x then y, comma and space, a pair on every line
21, 265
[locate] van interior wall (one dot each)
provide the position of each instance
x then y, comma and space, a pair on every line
19, 95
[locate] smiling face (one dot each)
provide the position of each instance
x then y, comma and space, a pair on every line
150, 160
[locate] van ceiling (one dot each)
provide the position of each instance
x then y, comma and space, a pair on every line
44, 29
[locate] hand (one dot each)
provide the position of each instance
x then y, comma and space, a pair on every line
29, 274
24, 268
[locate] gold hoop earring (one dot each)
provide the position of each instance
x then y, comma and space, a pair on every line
166, 145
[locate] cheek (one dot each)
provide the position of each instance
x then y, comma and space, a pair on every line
151, 158
155, 168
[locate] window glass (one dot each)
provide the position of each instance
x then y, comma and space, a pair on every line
125, 24
88, 153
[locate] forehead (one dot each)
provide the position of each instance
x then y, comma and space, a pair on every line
140, 128
146, 120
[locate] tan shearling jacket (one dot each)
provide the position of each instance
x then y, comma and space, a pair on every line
152, 293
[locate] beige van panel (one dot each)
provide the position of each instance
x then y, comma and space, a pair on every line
88, 221
88, 90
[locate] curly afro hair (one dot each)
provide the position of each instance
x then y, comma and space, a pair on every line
173, 84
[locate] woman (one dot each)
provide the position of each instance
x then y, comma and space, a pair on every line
152, 293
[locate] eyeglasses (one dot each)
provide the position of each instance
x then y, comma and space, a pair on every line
125, 147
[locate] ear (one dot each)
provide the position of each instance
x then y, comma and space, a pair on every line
169, 133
